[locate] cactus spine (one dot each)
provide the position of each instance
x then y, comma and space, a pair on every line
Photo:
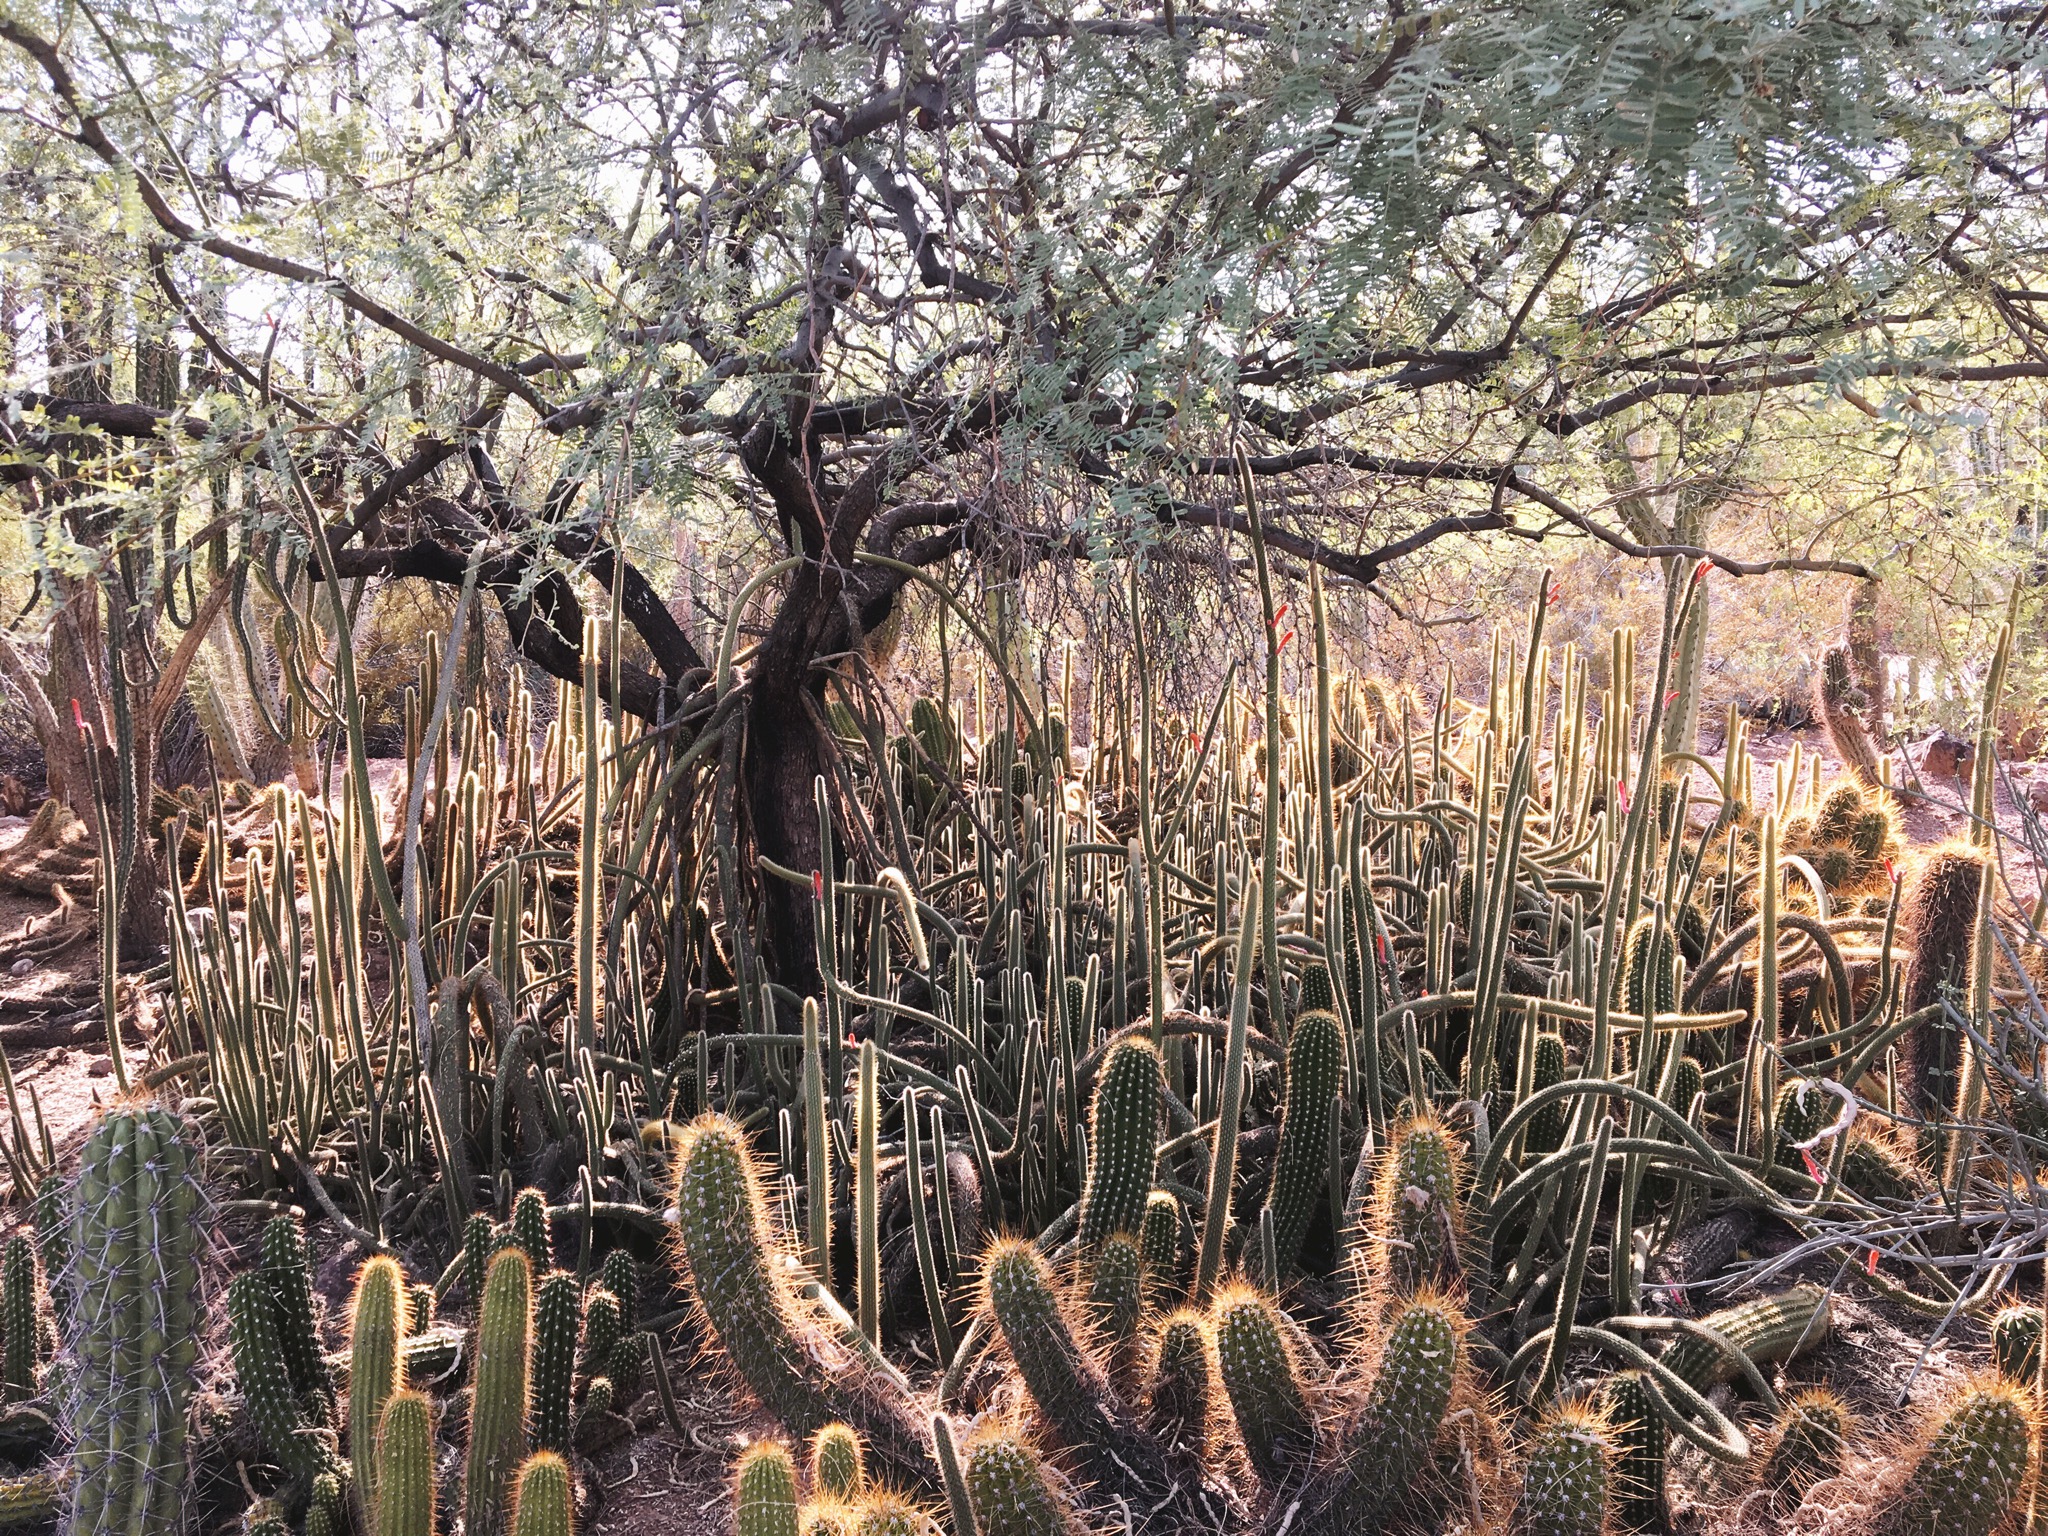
1010, 1492
1315, 1083
1123, 1141
555, 1317
1638, 1436
1564, 1478
764, 1491
1262, 1379
405, 1466
132, 1323
543, 1504
838, 1465
376, 1369
498, 1405
1973, 1467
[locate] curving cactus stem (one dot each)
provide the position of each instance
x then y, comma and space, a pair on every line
1973, 1466
1780, 1326
274, 1407
405, 1466
33, 1499
21, 1324
1123, 1141
1177, 1395
1564, 1476
1007, 1484
1301, 1171
543, 1503
764, 1501
131, 1323
1638, 1435
838, 1464
555, 1323
1262, 1379
1419, 1220
376, 1370
498, 1401
1806, 1447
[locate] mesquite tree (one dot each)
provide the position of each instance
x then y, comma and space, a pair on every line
932, 291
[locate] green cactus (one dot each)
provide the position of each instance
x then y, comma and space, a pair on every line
18, 1290
597, 1405
498, 1403
1261, 1377
1938, 926
1419, 1207
1546, 1127
764, 1501
1637, 1434
1177, 1396
2016, 1342
1838, 813
1317, 993
405, 1467
1972, 1468
1770, 1328
603, 1327
621, 1277
131, 1323
286, 1270
543, 1503
376, 1370
34, 1499
889, 1514
1009, 1489
1692, 925
799, 1374
275, 1408
1163, 1246
419, 1308
555, 1323
479, 1242
53, 1237
1650, 969
266, 1518
327, 1510
838, 1464
1301, 1171
1123, 1141
1807, 1443
1804, 1111
1116, 1291
1565, 1475
530, 1229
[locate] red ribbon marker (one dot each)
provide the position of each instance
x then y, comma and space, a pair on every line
1669, 697
1814, 1170
1621, 794
1870, 1264
818, 884
1379, 941
1699, 572
1283, 642
1279, 614
1556, 593
1891, 871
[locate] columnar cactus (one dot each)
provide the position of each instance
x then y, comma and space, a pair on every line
1177, 1395
1163, 1246
131, 1324
1546, 1127
838, 1465
22, 1330
277, 1411
1123, 1140
1317, 994
376, 1369
1938, 926
556, 1309
1807, 1442
1973, 1466
530, 1229
1009, 1489
543, 1503
2015, 1342
498, 1401
1565, 1476
405, 1466
1301, 1171
621, 1276
1637, 1434
285, 1270
479, 1241
1418, 1204
603, 1328
764, 1499
1804, 1110
1775, 1327
1116, 1291
1650, 969
1262, 1378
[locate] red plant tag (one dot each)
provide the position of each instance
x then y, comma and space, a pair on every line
1379, 942
1279, 614
1556, 593
818, 884
1283, 641
1621, 794
1669, 696
1814, 1171
1891, 871
1699, 572
77, 715
1870, 1264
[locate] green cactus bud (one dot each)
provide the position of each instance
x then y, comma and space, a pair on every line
1546, 1127
1780, 1326
555, 1323
1116, 1291
18, 1290
327, 1510
1386, 1444
1301, 1171
498, 1404
131, 1323
543, 1503
1123, 1140
621, 1276
1317, 993
1163, 1246
2016, 1342
889, 1514
530, 1229
419, 1309
479, 1241
1807, 1445
1009, 1489
597, 1406
764, 1499
1649, 969
274, 1408
405, 1466
287, 1271
838, 1464
1973, 1466
1419, 1207
1261, 1377
1178, 1394
376, 1370
1637, 1434
1564, 1477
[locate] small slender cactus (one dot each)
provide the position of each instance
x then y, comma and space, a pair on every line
621, 1276
1776, 1327
498, 1404
1116, 1292
603, 1327
376, 1369
1178, 1394
1973, 1466
18, 1307
1418, 1203
1123, 1141
1807, 1442
531, 1231
1163, 1246
1650, 969
1008, 1486
1638, 1435
1565, 1476
764, 1501
1301, 1172
1255, 1359
2015, 1342
555, 1320
405, 1467
286, 1270
890, 1514
274, 1407
543, 1503
479, 1242
1546, 1127
838, 1464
